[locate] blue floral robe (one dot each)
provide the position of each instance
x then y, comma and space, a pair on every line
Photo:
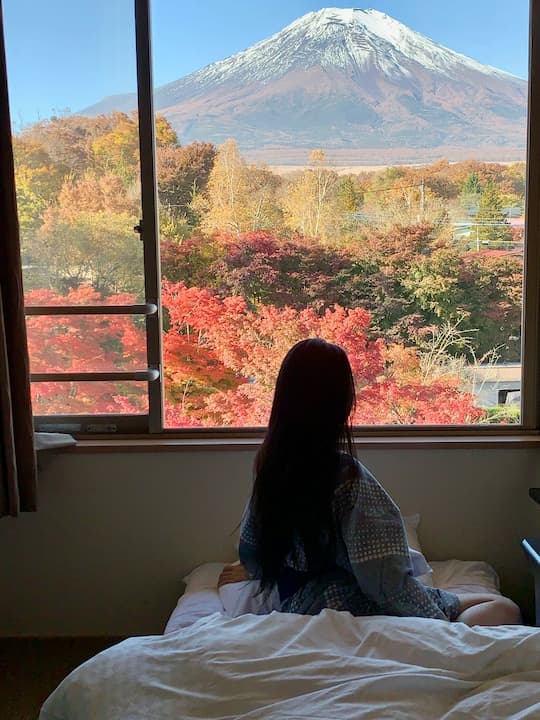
372, 573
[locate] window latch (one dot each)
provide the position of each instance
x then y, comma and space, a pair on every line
138, 228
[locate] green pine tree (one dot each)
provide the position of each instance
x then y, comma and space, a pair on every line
471, 186
491, 227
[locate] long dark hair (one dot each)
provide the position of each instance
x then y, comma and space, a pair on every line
299, 461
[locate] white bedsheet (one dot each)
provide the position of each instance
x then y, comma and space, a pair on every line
294, 666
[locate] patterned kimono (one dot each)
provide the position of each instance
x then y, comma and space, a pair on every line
371, 573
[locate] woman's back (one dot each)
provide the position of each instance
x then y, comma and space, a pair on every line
367, 570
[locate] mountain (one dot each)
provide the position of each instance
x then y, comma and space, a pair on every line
354, 82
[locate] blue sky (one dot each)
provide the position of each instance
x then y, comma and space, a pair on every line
67, 54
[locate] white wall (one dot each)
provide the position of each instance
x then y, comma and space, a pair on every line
114, 533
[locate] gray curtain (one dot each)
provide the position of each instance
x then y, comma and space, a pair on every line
17, 455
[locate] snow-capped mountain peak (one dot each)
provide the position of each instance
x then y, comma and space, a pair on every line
351, 39
349, 79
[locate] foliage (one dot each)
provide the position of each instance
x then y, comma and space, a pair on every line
85, 344
240, 197
221, 361
246, 346
491, 226
265, 268
183, 173
91, 247
254, 261
311, 203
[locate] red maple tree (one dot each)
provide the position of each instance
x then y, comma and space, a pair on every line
221, 360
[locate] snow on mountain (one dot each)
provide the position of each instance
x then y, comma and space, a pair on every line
337, 38
346, 78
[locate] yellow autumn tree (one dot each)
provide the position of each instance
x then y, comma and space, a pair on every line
239, 197
117, 151
311, 204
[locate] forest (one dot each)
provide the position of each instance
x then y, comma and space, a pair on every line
415, 271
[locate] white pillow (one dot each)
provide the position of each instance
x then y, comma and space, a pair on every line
203, 577
411, 523
193, 606
466, 576
200, 597
244, 597
421, 568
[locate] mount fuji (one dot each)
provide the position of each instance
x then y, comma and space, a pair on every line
357, 83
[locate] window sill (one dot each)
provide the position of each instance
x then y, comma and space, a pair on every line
239, 444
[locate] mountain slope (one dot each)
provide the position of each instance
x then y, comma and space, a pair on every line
345, 79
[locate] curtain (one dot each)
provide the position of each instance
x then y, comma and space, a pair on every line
17, 455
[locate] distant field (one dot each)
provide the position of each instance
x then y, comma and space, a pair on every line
340, 169
356, 160
357, 169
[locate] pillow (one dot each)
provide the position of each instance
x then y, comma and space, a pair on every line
467, 576
200, 597
411, 523
193, 606
244, 597
421, 569
203, 577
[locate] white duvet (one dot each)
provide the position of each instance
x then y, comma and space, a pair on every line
293, 666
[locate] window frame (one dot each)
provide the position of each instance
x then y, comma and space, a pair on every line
151, 425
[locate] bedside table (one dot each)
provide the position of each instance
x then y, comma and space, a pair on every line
531, 547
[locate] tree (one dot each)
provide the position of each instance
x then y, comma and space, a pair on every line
38, 181
407, 200
68, 140
183, 173
244, 349
348, 194
117, 151
193, 260
267, 268
85, 343
91, 248
491, 226
311, 202
239, 198
88, 238
222, 358
471, 186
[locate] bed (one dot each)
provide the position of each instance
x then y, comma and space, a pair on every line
215, 660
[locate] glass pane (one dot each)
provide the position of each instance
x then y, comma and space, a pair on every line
89, 398
86, 343
76, 145
351, 175
76, 153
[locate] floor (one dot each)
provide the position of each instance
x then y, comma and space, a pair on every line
30, 669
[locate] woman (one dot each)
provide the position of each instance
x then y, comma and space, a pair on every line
318, 525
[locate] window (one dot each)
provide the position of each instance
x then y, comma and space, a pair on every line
336, 173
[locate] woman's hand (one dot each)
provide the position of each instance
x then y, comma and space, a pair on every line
232, 574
